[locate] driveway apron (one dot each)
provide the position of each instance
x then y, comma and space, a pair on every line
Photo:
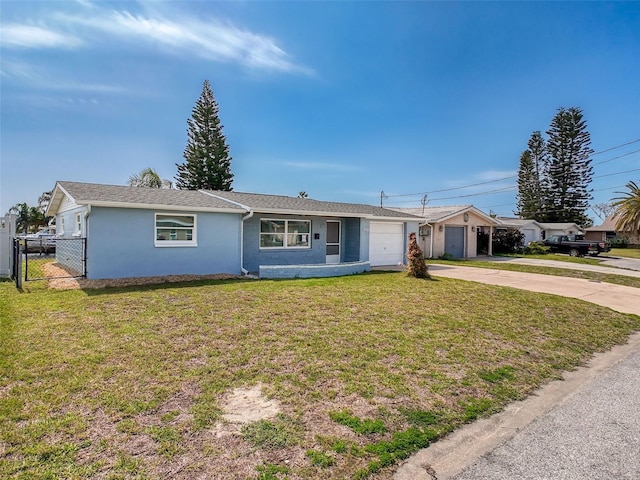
584, 426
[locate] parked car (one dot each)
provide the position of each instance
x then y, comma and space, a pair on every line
43, 241
574, 247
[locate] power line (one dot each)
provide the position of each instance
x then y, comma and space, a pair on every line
617, 173
616, 147
453, 188
514, 176
615, 158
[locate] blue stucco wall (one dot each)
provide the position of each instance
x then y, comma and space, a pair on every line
120, 244
254, 256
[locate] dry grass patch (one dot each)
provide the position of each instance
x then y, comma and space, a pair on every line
347, 375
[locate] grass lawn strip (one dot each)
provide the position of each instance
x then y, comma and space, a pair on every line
625, 252
545, 270
130, 382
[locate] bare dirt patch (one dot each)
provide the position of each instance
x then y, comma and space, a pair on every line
245, 405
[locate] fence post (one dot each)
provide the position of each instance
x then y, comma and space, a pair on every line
17, 263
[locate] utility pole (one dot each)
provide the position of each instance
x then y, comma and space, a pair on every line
382, 196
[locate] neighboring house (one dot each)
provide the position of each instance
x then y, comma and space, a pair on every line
532, 230
462, 231
561, 229
135, 231
607, 232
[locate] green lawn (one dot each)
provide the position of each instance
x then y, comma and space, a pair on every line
557, 257
128, 383
625, 252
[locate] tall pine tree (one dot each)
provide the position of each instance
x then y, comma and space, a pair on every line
532, 188
527, 203
570, 170
207, 161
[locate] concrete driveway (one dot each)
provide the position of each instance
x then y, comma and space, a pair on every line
584, 426
629, 267
618, 297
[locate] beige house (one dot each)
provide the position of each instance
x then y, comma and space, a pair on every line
607, 232
461, 231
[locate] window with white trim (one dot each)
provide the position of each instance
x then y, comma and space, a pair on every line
175, 230
60, 228
285, 233
77, 226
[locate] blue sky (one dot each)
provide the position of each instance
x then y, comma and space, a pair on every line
340, 99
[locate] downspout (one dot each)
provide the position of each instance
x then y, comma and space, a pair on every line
86, 236
246, 217
430, 240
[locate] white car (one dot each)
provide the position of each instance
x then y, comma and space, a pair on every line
44, 241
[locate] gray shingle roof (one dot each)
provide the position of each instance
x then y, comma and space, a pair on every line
124, 196
283, 204
92, 193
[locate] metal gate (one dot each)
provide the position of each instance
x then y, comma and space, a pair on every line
44, 259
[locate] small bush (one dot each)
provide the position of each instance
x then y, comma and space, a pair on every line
415, 258
536, 248
509, 240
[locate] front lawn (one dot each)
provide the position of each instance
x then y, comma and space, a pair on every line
625, 252
130, 383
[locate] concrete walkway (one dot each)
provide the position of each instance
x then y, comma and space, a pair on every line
585, 426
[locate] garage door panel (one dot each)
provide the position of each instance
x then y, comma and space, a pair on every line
386, 243
454, 241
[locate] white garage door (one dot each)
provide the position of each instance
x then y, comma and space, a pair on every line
386, 243
529, 236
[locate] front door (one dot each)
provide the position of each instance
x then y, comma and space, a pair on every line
333, 241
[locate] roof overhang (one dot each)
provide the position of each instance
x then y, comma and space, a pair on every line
58, 194
470, 208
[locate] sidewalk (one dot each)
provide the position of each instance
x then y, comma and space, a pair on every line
584, 426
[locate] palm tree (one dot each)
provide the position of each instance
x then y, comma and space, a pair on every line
628, 209
148, 178
27, 217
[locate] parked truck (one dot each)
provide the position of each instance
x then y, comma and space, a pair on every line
574, 247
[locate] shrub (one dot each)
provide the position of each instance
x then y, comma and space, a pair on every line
536, 248
416, 266
509, 240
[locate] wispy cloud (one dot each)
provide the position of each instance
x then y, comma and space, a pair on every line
213, 39
32, 36
36, 77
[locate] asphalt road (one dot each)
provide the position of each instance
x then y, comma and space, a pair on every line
595, 433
